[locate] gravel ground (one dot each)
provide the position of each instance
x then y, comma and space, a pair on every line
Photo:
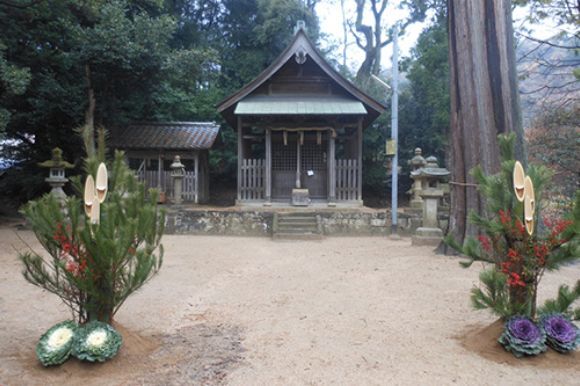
251, 311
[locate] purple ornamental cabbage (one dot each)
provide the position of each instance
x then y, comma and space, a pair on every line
522, 337
561, 334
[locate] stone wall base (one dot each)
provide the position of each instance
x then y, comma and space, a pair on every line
236, 222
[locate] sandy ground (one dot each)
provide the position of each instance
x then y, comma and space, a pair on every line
251, 311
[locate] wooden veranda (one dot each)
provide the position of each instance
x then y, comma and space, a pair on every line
300, 130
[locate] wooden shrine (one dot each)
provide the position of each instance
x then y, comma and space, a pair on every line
300, 128
151, 147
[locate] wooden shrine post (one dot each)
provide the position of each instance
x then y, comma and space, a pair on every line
331, 169
298, 162
240, 157
196, 182
359, 156
268, 176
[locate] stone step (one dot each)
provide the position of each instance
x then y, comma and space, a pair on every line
298, 230
297, 236
298, 223
297, 226
296, 218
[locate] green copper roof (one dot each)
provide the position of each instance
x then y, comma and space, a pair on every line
299, 105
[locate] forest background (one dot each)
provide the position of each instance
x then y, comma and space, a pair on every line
173, 60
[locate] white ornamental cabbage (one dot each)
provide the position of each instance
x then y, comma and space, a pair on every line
55, 345
96, 342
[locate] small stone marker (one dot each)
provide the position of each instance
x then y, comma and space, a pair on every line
300, 197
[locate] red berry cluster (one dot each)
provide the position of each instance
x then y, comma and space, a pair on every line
70, 252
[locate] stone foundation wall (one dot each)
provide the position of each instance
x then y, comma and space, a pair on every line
217, 222
259, 222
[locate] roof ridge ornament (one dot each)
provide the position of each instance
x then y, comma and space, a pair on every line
300, 55
300, 25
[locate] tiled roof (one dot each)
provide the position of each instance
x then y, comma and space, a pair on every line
167, 135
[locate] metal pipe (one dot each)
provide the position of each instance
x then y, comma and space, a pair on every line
395, 131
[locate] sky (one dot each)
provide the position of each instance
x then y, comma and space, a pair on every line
330, 17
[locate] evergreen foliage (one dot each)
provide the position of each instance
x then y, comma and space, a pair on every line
423, 110
94, 268
149, 61
562, 304
518, 259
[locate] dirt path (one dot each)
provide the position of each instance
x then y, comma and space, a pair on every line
250, 311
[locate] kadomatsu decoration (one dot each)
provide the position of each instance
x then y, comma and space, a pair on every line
522, 337
55, 345
518, 249
96, 342
101, 247
561, 334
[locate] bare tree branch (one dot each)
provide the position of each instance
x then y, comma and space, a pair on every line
546, 42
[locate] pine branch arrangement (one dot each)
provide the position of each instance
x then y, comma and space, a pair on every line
95, 266
518, 250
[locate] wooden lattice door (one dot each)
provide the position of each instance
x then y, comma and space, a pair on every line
315, 169
284, 164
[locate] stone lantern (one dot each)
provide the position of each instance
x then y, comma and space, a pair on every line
177, 173
416, 163
430, 180
428, 176
56, 177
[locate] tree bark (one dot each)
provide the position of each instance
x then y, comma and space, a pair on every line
484, 100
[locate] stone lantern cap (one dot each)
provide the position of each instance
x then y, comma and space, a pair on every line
417, 161
432, 162
177, 168
430, 172
56, 162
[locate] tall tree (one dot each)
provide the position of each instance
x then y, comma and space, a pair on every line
120, 48
484, 100
374, 36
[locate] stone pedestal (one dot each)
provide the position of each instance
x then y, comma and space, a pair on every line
300, 197
429, 233
177, 190
416, 200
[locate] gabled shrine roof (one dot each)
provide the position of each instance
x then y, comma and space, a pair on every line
356, 102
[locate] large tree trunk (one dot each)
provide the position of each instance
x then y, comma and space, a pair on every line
484, 99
